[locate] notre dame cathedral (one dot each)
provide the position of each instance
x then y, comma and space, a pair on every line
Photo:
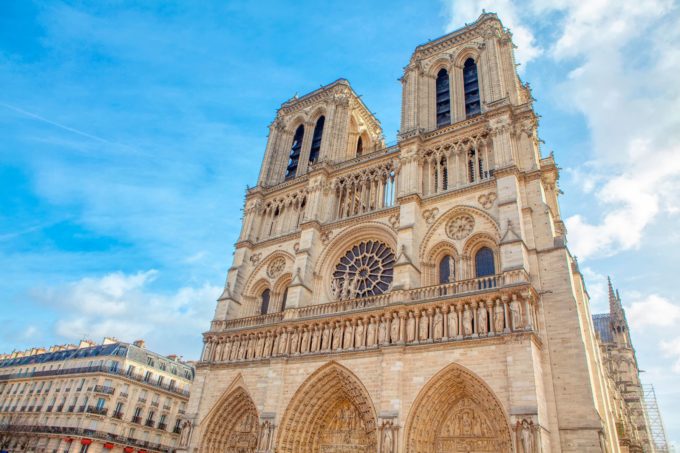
418, 298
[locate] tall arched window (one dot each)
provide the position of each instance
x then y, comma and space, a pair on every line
295, 152
285, 298
446, 270
471, 88
264, 302
443, 99
484, 264
360, 147
316, 140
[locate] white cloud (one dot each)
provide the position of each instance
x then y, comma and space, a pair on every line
124, 306
671, 349
654, 311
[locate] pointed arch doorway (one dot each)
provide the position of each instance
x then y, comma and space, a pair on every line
233, 426
330, 413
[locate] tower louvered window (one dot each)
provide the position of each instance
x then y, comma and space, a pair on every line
291, 170
443, 99
316, 140
471, 88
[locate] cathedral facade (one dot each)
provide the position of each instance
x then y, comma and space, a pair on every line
418, 298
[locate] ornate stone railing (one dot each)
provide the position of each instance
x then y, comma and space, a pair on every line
462, 287
488, 307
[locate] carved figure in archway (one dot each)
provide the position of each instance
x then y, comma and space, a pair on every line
359, 334
382, 331
394, 328
453, 322
349, 336
370, 337
424, 327
232, 427
438, 325
467, 321
482, 320
499, 316
515, 313
410, 327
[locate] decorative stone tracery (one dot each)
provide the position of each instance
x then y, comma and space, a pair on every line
460, 226
365, 270
232, 426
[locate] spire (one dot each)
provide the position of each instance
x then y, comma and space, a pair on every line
613, 301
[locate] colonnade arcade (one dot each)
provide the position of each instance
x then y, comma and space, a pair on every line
332, 412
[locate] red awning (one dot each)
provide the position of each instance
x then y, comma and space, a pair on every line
108, 445
128, 449
86, 441
69, 439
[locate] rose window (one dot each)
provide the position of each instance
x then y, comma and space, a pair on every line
366, 269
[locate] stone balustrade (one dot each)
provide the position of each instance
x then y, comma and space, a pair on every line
463, 287
484, 313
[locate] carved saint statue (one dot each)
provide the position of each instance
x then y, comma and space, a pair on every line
499, 316
525, 437
424, 327
387, 440
359, 334
304, 346
266, 352
260, 345
438, 327
186, 434
251, 346
283, 342
326, 338
410, 327
516, 313
346, 284
370, 338
482, 320
453, 322
382, 331
242, 348
337, 336
294, 339
349, 336
467, 321
394, 329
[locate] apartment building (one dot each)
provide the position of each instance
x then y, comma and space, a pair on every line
91, 398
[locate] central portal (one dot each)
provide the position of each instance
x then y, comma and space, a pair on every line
344, 431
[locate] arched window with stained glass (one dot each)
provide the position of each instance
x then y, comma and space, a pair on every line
264, 301
446, 270
484, 262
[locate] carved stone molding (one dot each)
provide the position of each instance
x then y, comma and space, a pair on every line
487, 200
430, 214
255, 258
460, 226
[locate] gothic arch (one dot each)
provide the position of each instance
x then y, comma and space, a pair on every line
331, 407
256, 275
232, 425
464, 53
432, 258
280, 288
457, 411
443, 62
342, 242
451, 213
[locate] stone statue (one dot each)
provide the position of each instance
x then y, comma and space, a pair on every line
267, 345
382, 331
438, 328
185, 434
295, 338
516, 313
359, 334
370, 339
387, 440
499, 315
453, 322
525, 437
242, 348
316, 338
394, 328
467, 321
424, 327
233, 354
337, 336
349, 336
283, 342
304, 347
410, 327
482, 320
251, 346
326, 338
346, 284
260, 345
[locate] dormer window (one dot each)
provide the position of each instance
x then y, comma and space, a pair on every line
295, 149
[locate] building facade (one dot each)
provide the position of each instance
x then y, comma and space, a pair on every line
92, 398
418, 298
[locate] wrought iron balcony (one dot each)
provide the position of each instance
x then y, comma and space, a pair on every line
150, 423
97, 410
118, 415
162, 426
104, 389
137, 419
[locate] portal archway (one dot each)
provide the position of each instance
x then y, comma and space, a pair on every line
330, 413
457, 412
233, 425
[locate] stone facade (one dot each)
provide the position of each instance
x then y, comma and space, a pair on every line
414, 298
89, 398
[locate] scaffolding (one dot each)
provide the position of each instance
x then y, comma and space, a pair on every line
656, 428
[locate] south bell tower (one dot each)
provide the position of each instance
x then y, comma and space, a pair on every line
413, 298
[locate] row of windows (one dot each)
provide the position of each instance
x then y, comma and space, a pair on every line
470, 91
484, 266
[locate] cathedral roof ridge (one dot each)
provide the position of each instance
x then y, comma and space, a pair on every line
459, 31
295, 99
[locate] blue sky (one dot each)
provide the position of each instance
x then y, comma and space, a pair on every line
130, 131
